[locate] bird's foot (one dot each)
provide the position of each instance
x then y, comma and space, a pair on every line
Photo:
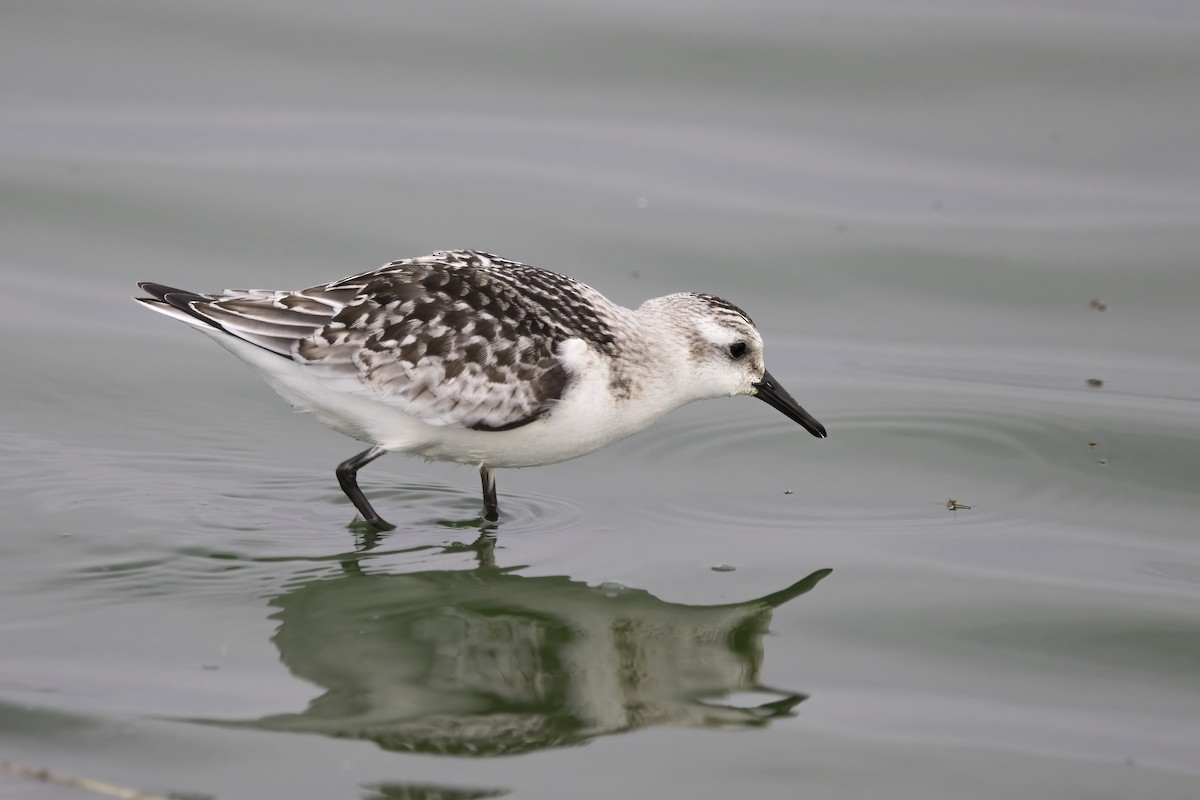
371, 525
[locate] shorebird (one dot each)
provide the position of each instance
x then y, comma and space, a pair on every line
467, 357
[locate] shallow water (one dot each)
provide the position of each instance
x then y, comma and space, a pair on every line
917, 207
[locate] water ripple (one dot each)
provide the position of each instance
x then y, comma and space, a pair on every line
908, 462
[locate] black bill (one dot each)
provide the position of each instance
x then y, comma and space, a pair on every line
774, 395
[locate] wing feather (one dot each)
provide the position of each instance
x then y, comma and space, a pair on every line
456, 338
447, 343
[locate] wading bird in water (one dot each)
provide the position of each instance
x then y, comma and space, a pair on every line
467, 357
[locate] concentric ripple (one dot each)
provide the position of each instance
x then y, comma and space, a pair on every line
445, 508
1007, 455
237, 540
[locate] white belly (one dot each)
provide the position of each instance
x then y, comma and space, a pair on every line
586, 419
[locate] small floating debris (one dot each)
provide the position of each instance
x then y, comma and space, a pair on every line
1092, 445
788, 491
42, 775
1096, 304
722, 568
1095, 383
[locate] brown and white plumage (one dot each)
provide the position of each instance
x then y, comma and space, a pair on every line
464, 356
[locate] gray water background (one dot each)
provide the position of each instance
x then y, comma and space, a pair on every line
917, 202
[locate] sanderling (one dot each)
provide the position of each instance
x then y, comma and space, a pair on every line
465, 356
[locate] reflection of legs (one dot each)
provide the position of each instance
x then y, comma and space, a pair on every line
347, 475
491, 511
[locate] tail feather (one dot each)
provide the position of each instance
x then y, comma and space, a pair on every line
272, 320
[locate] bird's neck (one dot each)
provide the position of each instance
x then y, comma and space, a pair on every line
655, 344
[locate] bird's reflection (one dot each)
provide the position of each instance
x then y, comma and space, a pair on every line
487, 662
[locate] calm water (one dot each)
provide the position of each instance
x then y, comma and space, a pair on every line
917, 206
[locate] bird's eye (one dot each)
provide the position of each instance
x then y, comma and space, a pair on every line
737, 350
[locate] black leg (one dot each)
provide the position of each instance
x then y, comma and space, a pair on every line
347, 475
491, 511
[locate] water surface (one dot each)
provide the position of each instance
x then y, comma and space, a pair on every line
917, 206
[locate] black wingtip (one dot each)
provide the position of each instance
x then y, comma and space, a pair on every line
156, 290
180, 298
177, 298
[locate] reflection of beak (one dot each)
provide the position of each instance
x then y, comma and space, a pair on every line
774, 395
